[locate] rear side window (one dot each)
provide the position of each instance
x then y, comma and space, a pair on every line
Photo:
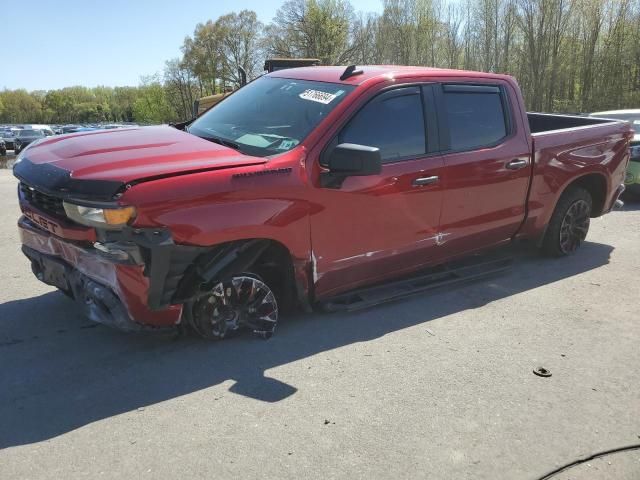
475, 115
393, 122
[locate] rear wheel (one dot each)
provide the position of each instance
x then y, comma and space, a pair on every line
242, 301
569, 223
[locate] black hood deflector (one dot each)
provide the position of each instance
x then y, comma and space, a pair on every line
55, 181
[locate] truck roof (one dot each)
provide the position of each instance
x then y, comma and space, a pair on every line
332, 74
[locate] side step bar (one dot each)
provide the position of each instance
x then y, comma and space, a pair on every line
445, 275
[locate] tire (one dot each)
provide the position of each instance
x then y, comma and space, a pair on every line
3, 152
243, 301
16, 151
569, 223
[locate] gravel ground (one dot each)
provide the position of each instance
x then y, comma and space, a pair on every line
437, 386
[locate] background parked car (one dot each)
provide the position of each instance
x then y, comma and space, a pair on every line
7, 135
25, 137
46, 129
81, 129
632, 178
69, 128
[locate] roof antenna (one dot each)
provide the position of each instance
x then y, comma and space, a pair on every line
350, 71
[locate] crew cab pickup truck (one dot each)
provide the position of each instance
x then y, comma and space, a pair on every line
303, 185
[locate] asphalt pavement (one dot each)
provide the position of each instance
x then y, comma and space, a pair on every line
437, 386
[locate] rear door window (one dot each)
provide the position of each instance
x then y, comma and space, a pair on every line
394, 122
475, 115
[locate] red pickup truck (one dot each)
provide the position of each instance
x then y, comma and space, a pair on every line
303, 185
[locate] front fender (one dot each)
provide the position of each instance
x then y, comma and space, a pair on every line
209, 209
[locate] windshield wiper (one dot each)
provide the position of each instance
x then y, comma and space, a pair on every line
217, 139
222, 141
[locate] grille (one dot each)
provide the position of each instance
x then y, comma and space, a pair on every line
46, 203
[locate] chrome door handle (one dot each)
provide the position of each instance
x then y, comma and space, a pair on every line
517, 164
419, 182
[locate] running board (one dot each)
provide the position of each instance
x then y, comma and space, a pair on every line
444, 275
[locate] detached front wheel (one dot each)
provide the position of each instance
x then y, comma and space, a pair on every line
242, 301
569, 223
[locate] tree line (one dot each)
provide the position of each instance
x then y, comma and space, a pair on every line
146, 103
568, 55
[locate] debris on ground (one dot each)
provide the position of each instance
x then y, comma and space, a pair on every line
542, 372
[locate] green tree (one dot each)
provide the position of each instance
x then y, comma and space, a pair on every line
152, 106
568, 55
20, 107
180, 88
240, 44
123, 101
313, 29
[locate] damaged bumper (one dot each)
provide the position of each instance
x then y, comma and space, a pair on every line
114, 285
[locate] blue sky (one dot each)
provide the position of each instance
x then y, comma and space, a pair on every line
62, 43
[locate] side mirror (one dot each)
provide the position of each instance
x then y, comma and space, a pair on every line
348, 160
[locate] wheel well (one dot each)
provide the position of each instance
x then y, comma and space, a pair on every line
596, 185
275, 266
269, 259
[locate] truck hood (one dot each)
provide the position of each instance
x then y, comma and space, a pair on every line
130, 154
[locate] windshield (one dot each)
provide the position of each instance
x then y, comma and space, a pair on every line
270, 115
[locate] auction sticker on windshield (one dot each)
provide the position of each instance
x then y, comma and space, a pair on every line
318, 96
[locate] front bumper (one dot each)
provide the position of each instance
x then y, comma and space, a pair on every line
111, 291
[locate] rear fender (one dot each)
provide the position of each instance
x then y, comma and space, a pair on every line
561, 161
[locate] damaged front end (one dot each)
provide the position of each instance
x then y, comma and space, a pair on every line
97, 300
113, 282
124, 277
138, 278
86, 237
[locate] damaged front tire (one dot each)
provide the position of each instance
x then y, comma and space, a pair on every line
242, 301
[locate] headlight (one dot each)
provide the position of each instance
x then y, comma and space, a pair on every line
101, 217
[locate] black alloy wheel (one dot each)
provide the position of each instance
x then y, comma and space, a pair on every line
575, 226
243, 301
569, 223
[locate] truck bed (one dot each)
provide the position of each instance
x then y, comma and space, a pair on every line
563, 147
546, 122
